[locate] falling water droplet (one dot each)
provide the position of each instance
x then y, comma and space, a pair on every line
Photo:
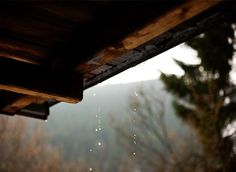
99, 144
221, 92
90, 150
133, 121
90, 169
99, 128
227, 100
46, 120
136, 94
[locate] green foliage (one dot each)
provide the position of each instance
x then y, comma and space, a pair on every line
205, 94
214, 49
172, 82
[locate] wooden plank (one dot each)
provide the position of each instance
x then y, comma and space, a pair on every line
152, 30
21, 102
42, 82
21, 51
38, 111
33, 30
223, 12
167, 21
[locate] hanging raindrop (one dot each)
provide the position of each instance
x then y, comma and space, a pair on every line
90, 169
133, 128
99, 120
134, 115
221, 93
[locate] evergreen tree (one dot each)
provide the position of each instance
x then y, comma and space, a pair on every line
205, 95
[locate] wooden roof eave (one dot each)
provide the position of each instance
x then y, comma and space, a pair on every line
166, 31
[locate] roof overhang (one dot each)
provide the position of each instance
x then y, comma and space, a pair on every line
51, 52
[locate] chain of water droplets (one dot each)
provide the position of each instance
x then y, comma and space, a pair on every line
134, 121
97, 129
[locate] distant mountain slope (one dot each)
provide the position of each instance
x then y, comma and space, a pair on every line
73, 126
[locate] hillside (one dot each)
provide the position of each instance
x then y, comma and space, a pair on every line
73, 127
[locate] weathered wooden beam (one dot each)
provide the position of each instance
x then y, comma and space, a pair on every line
160, 25
41, 82
18, 104
39, 111
32, 30
167, 21
21, 102
22, 51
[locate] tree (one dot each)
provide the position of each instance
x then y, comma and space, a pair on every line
205, 95
158, 146
26, 148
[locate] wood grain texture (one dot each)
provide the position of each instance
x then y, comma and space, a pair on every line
157, 27
40, 93
21, 102
21, 51
167, 21
54, 41
41, 82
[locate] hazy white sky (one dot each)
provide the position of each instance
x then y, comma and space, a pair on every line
150, 69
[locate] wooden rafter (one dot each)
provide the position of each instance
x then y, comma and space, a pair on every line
41, 82
21, 102
28, 43
152, 30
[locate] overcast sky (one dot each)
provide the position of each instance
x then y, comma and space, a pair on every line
164, 62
